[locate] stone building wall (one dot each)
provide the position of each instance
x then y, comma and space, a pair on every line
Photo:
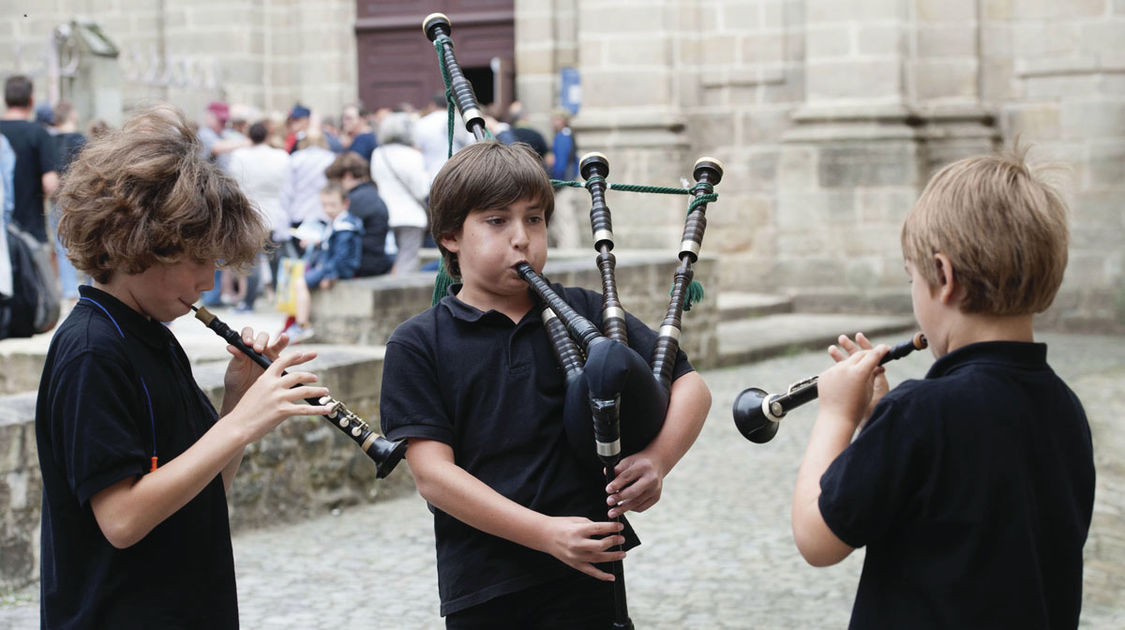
268, 54
831, 115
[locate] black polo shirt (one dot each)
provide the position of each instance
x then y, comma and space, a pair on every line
973, 491
35, 155
493, 390
93, 429
365, 204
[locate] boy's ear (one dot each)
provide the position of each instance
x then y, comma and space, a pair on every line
451, 242
947, 283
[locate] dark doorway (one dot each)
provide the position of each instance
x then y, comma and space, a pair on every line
482, 80
397, 64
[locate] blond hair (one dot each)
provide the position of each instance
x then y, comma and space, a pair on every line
484, 176
145, 195
1003, 228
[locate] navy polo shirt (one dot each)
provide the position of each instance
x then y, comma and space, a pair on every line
973, 491
492, 389
93, 429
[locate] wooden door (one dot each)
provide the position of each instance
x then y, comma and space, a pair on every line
398, 64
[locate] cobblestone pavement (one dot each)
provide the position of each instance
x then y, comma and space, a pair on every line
717, 550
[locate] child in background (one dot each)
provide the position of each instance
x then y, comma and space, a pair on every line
973, 488
335, 257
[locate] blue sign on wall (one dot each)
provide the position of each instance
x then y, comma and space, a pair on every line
570, 90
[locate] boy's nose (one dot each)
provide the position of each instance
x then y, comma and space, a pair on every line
519, 237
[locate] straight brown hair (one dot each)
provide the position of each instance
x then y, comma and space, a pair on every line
485, 176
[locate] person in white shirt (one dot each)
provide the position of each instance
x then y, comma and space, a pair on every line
260, 171
431, 135
399, 171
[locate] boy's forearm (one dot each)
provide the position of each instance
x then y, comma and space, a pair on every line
816, 542
454, 491
688, 404
129, 510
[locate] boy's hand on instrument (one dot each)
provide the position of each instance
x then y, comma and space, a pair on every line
577, 542
637, 485
275, 396
242, 371
846, 389
847, 348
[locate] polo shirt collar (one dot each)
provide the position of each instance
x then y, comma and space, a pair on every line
132, 323
1017, 354
466, 313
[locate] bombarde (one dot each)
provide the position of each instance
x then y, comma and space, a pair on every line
385, 453
758, 414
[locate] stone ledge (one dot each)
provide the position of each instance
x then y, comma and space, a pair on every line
365, 311
302, 468
773, 335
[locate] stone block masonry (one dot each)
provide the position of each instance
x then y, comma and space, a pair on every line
303, 468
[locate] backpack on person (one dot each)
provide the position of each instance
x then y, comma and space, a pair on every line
35, 303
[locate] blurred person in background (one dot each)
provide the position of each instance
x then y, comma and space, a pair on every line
399, 171
300, 192
219, 141
362, 136
570, 221
352, 173
36, 172
68, 143
431, 134
261, 171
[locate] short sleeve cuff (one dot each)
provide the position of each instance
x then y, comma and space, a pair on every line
421, 431
95, 484
834, 520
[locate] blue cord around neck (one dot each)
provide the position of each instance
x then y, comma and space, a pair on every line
144, 386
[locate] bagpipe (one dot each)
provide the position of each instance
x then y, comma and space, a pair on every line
758, 414
616, 400
385, 453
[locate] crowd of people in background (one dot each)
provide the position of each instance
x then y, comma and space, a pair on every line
383, 161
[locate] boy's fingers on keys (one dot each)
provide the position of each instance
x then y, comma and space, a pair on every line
847, 344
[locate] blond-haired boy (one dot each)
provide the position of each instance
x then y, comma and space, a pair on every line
973, 488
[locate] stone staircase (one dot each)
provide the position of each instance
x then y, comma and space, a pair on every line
754, 326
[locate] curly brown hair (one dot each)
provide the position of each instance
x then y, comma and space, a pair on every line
145, 195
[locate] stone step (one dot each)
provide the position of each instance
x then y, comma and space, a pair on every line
757, 338
734, 305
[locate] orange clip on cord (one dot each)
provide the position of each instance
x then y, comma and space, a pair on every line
153, 469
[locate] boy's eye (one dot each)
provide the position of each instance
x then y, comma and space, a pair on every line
535, 219
494, 220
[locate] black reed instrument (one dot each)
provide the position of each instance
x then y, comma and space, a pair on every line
758, 414
385, 453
